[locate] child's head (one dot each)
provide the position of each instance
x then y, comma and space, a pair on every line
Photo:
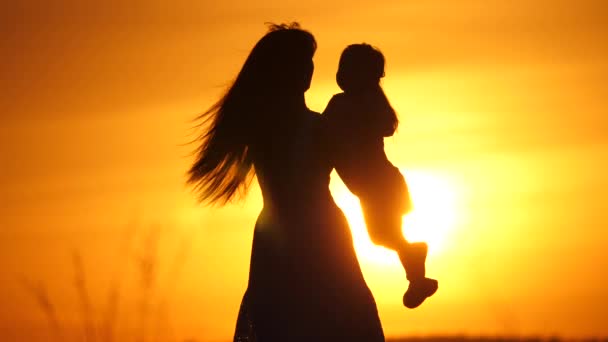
361, 67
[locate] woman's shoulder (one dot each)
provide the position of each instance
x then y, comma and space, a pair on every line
339, 108
352, 116
337, 103
339, 97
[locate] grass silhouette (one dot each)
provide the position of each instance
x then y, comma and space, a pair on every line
101, 323
151, 318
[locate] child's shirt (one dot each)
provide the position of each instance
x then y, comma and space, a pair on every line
357, 127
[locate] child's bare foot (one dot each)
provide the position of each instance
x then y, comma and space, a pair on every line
418, 291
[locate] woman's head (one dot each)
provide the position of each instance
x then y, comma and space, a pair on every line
278, 70
361, 67
280, 63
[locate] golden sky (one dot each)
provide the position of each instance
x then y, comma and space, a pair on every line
503, 140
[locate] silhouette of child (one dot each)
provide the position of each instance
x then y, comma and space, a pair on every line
360, 118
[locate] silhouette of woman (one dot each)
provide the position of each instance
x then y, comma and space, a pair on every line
305, 283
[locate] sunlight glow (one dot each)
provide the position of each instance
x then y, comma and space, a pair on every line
434, 216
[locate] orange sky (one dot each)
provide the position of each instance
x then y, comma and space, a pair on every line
504, 118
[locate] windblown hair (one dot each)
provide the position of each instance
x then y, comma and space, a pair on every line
360, 69
278, 66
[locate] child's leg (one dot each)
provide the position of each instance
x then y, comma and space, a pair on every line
383, 225
385, 230
413, 259
412, 255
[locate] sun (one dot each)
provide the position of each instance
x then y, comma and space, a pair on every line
434, 216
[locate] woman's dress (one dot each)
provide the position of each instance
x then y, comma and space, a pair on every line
305, 282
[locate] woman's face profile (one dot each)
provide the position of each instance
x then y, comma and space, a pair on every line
309, 70
297, 75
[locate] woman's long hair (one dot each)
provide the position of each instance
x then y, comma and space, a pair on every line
278, 67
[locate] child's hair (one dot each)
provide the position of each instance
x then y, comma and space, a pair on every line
360, 69
361, 66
